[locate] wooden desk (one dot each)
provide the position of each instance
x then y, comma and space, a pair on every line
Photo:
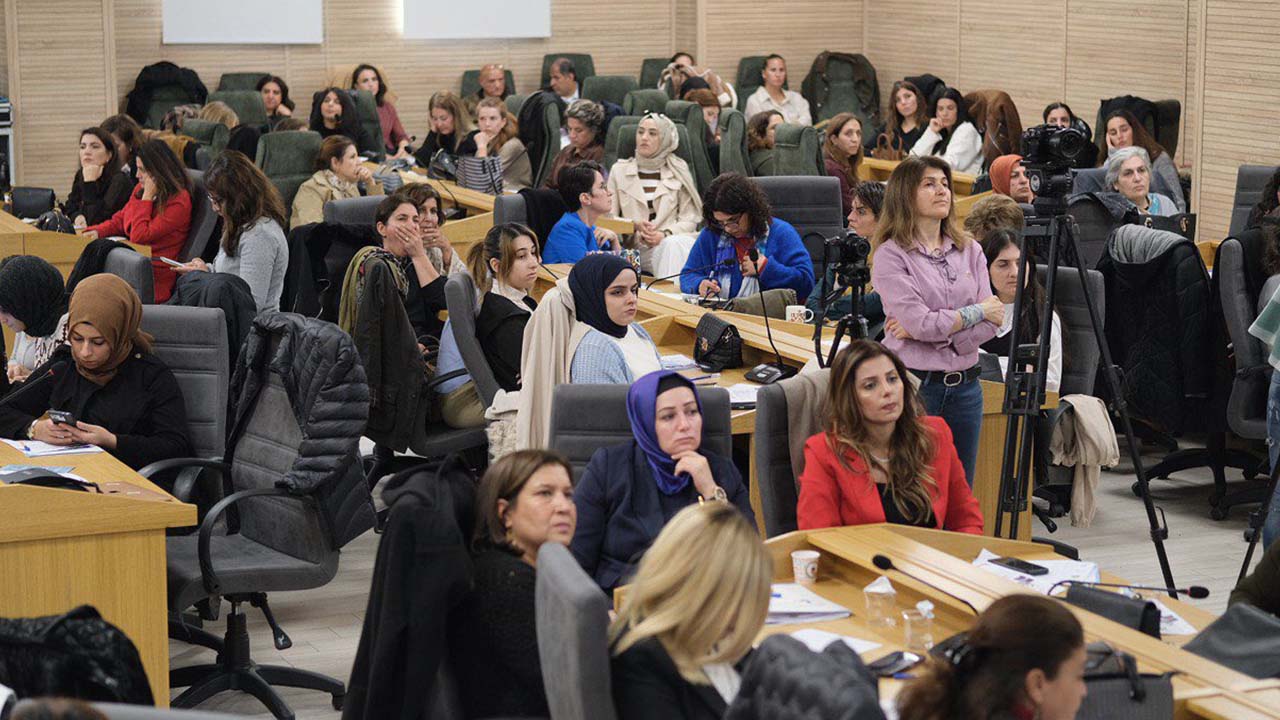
874, 169
944, 560
60, 549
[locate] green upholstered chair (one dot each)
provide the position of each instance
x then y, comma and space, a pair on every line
514, 102
749, 69
551, 131
582, 62
240, 80
613, 133
613, 88
638, 102
627, 142
212, 135
247, 105
761, 162
733, 142
651, 72
370, 125
164, 99
471, 82
288, 159
796, 151
689, 114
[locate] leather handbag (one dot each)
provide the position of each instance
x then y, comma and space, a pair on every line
1118, 690
1141, 615
717, 344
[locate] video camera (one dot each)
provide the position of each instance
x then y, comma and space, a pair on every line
848, 253
1048, 153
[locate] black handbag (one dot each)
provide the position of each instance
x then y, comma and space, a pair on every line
1141, 615
717, 344
1118, 690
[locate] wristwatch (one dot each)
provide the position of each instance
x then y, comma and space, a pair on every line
31, 430
719, 494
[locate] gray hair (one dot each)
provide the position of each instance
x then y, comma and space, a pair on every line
1119, 157
588, 113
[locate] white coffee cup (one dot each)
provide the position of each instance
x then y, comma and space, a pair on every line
804, 563
799, 314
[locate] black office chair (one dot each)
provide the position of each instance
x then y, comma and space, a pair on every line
353, 211
811, 204
203, 219
1250, 180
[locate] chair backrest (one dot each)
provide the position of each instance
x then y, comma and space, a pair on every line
777, 478
583, 66
585, 418
1095, 180
192, 341
509, 209
247, 105
551, 148
614, 133
353, 211
749, 69
733, 142
240, 80
135, 269
163, 99
627, 143
796, 151
1247, 406
613, 88
203, 219
288, 159
644, 100
471, 82
573, 639
32, 202
370, 125
210, 134
1168, 124
460, 299
651, 71
514, 102
1250, 180
1095, 224
1081, 356
690, 115
811, 204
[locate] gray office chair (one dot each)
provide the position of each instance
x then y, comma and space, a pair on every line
797, 151
212, 136
509, 209
812, 204
749, 78
779, 486
460, 297
353, 211
733, 142
203, 219
585, 418
573, 639
614, 134
1250, 180
135, 269
120, 711
643, 100
651, 71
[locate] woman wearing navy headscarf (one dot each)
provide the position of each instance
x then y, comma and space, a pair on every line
628, 492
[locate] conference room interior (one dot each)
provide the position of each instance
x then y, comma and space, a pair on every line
1185, 70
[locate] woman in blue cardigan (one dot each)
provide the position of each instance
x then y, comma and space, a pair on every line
628, 492
738, 221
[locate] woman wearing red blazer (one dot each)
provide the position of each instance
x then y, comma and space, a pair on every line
881, 459
158, 213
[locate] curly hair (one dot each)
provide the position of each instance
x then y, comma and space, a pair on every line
735, 194
590, 114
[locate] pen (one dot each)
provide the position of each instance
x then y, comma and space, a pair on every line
704, 377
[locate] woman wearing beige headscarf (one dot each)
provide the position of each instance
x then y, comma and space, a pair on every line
656, 191
121, 397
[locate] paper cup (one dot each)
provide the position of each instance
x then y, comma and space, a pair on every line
805, 565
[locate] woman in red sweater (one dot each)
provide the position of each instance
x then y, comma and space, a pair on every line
881, 459
158, 213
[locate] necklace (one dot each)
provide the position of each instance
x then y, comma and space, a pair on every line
881, 460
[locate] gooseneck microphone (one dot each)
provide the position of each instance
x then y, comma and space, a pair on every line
767, 373
884, 564
33, 382
1195, 592
690, 271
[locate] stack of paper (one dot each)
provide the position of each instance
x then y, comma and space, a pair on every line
792, 603
678, 362
743, 394
1059, 570
36, 448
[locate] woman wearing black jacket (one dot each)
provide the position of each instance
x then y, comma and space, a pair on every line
100, 188
505, 269
333, 112
125, 400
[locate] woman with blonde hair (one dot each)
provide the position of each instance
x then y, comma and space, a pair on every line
219, 112
842, 153
938, 303
449, 122
492, 159
690, 616
880, 458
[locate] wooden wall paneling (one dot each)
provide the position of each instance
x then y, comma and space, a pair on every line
906, 37
1013, 45
4, 52
1241, 92
1189, 135
684, 32
798, 30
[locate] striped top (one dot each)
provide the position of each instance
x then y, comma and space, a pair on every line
649, 186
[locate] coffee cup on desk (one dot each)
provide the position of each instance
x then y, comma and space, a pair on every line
804, 565
799, 314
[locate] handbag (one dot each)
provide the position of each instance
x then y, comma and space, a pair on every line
1141, 615
1118, 690
887, 149
716, 344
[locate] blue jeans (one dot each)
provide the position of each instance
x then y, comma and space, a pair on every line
961, 407
1271, 530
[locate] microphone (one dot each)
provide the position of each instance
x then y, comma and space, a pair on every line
690, 271
49, 372
884, 564
1195, 592
767, 373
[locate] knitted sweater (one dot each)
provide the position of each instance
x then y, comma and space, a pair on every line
261, 260
599, 360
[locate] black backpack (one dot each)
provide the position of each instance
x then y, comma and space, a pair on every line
843, 82
930, 86
74, 655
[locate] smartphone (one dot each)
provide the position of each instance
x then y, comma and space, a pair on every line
1022, 566
171, 262
62, 417
893, 663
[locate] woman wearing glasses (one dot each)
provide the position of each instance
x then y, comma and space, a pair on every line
938, 303
743, 250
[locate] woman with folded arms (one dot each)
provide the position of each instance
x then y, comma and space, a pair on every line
629, 492
100, 188
158, 213
450, 122
612, 347
394, 139
773, 95
525, 499
951, 135
253, 244
123, 398
334, 113
880, 458
338, 175
1024, 657
275, 98
908, 118
492, 159
1129, 173
939, 308
690, 616
33, 305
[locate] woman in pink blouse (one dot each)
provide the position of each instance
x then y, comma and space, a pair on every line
394, 139
937, 296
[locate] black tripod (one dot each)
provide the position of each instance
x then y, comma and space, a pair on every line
1025, 379
849, 276
1257, 519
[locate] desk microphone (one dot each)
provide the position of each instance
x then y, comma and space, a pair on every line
713, 266
885, 565
51, 371
767, 373
1195, 592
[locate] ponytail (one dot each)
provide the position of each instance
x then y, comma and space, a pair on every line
478, 265
497, 245
933, 694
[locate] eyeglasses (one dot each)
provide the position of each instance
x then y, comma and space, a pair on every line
736, 222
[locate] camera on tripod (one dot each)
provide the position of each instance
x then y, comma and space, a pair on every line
1048, 153
848, 253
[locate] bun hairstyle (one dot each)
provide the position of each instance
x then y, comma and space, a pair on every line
498, 244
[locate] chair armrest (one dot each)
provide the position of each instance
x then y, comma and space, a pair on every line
185, 483
211, 583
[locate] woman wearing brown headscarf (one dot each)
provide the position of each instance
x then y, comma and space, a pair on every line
124, 399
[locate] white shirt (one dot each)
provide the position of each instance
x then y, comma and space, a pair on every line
963, 153
1052, 378
640, 354
725, 679
794, 108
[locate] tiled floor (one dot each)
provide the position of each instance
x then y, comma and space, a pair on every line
325, 624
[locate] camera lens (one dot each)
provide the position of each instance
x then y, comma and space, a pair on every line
1067, 143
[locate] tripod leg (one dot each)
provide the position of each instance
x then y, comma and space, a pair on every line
1260, 523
